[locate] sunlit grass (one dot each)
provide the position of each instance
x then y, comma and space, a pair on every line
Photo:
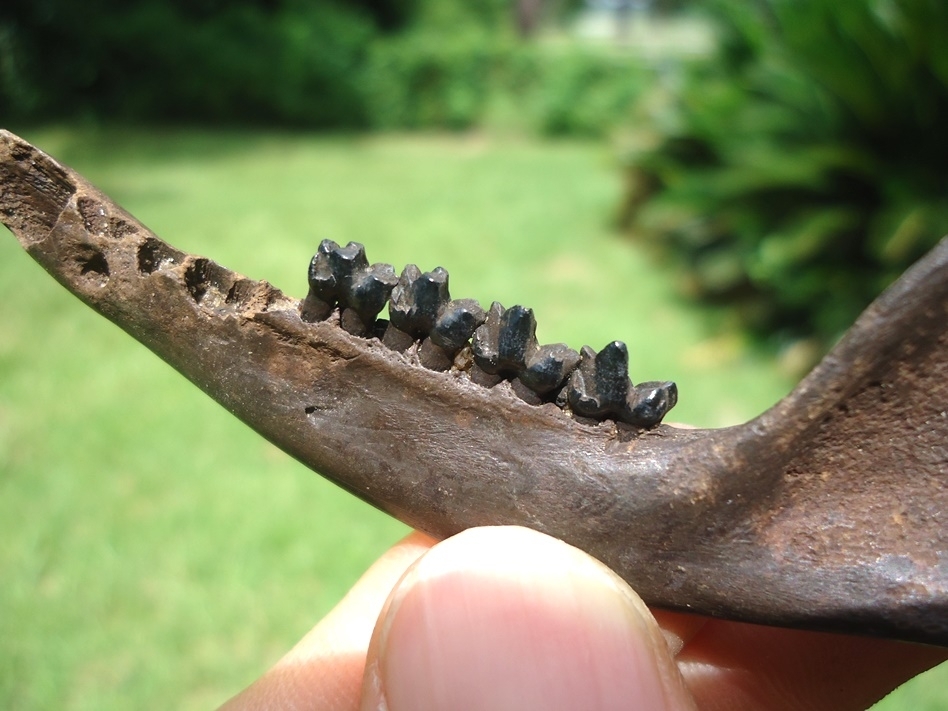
156, 553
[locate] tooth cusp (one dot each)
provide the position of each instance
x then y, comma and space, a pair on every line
417, 300
549, 367
457, 324
599, 387
490, 346
369, 291
650, 402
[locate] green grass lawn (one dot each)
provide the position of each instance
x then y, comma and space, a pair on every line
154, 552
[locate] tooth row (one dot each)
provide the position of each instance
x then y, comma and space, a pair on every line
502, 342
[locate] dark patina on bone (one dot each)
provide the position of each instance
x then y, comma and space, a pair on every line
826, 512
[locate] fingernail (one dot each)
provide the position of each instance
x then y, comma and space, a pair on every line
507, 618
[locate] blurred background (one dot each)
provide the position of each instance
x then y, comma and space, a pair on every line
722, 184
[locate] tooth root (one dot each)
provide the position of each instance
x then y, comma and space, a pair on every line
484, 343
549, 367
351, 322
600, 386
649, 402
397, 339
481, 377
418, 299
457, 323
369, 291
525, 393
433, 357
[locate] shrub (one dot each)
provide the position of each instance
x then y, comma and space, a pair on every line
803, 169
420, 80
240, 62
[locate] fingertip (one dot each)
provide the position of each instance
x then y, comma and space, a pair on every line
508, 618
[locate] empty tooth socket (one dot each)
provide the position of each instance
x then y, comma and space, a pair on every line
417, 300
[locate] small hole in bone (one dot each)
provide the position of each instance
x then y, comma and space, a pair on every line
94, 262
208, 283
154, 255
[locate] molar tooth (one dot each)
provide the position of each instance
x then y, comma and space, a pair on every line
417, 300
548, 367
369, 290
345, 263
330, 276
649, 402
600, 386
457, 323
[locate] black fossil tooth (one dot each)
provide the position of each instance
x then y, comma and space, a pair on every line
418, 299
345, 263
484, 343
369, 291
331, 272
518, 338
332, 268
649, 402
457, 323
599, 387
548, 367
506, 339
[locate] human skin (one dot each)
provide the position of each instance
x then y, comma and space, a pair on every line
507, 618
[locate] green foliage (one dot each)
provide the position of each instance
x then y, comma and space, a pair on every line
586, 93
803, 170
419, 80
391, 64
240, 62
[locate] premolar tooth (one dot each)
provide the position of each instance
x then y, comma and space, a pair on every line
506, 339
518, 338
457, 323
417, 300
548, 367
484, 343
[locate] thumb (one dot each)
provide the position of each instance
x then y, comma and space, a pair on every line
508, 618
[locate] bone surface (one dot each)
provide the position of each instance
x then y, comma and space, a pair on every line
826, 512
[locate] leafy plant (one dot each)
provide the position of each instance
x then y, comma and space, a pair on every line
803, 169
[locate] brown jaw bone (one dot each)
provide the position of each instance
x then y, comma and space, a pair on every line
826, 512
